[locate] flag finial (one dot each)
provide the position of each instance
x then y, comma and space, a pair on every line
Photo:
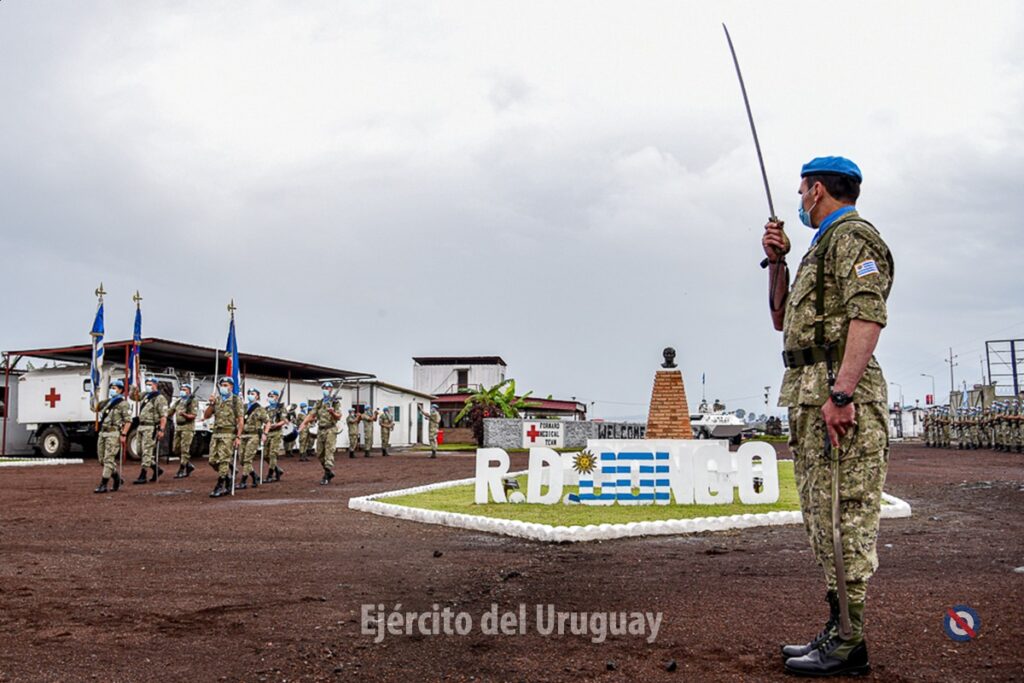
137, 298
232, 308
100, 291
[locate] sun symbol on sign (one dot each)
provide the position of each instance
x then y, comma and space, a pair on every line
584, 462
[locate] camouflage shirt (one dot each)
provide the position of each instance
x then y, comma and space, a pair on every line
275, 415
324, 419
180, 407
255, 418
386, 421
152, 409
226, 413
353, 423
113, 419
858, 277
368, 420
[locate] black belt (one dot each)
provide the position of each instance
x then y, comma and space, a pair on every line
811, 355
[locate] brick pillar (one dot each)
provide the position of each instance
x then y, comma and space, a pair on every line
669, 417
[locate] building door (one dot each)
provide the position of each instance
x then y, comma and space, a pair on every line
462, 379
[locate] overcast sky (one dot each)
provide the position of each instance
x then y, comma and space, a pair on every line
572, 186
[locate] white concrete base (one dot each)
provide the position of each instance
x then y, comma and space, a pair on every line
32, 462
593, 532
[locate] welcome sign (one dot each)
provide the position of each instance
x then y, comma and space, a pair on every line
628, 472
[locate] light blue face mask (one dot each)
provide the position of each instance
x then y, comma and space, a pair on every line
327, 393
272, 403
113, 392
805, 215
182, 394
252, 398
224, 391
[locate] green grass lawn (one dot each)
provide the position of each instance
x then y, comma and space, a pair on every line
460, 499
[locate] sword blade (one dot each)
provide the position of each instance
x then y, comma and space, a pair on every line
753, 128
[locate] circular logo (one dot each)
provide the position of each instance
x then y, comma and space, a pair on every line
961, 623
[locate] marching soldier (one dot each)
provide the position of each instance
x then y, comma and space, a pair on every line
305, 439
353, 432
185, 410
434, 419
252, 436
115, 419
831, 320
387, 423
152, 423
276, 420
228, 420
368, 419
327, 417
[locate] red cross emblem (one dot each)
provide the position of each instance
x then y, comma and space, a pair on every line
52, 397
533, 433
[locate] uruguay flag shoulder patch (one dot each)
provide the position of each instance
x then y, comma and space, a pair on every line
865, 268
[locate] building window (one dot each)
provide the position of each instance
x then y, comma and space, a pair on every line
463, 379
397, 410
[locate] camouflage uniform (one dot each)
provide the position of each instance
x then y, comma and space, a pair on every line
108, 446
387, 423
274, 441
225, 420
305, 438
184, 429
850, 293
353, 432
151, 411
252, 431
368, 419
327, 432
434, 419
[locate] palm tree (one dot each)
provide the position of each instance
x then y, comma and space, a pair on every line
497, 401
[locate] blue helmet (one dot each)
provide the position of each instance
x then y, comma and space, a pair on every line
119, 383
327, 385
273, 392
303, 405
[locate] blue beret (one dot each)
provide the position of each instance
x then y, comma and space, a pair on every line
117, 383
831, 166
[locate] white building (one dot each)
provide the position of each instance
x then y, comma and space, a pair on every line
437, 375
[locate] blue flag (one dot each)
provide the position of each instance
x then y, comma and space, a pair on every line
96, 367
231, 351
134, 380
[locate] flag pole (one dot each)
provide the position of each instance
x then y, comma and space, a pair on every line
234, 455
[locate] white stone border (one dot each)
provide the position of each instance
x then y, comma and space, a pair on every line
32, 462
591, 532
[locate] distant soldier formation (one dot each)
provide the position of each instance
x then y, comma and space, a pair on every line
1000, 427
242, 431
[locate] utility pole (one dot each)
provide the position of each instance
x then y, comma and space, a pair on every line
952, 364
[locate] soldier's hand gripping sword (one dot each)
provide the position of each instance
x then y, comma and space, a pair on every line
837, 542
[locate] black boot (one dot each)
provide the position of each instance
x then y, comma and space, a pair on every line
102, 488
351, 453
242, 485
255, 479
142, 477
189, 468
433, 452
383, 452
157, 472
180, 474
117, 480
221, 488
366, 454
277, 473
836, 656
833, 622
328, 475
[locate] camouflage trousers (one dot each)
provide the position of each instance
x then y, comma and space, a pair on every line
250, 445
222, 452
183, 443
353, 440
863, 460
326, 442
433, 438
147, 444
305, 441
271, 448
368, 439
108, 448
385, 438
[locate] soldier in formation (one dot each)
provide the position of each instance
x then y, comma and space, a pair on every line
115, 419
185, 410
387, 423
352, 421
228, 414
327, 417
153, 412
368, 418
277, 418
999, 427
252, 436
305, 439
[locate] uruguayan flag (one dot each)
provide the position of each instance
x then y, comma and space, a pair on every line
96, 368
866, 268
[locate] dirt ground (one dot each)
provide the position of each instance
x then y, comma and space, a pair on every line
162, 583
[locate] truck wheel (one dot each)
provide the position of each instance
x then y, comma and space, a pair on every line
53, 442
132, 449
737, 440
701, 434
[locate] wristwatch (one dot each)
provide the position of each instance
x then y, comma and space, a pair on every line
841, 399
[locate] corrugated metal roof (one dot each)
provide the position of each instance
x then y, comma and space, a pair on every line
459, 360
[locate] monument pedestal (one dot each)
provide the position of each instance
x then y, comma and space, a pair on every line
669, 416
